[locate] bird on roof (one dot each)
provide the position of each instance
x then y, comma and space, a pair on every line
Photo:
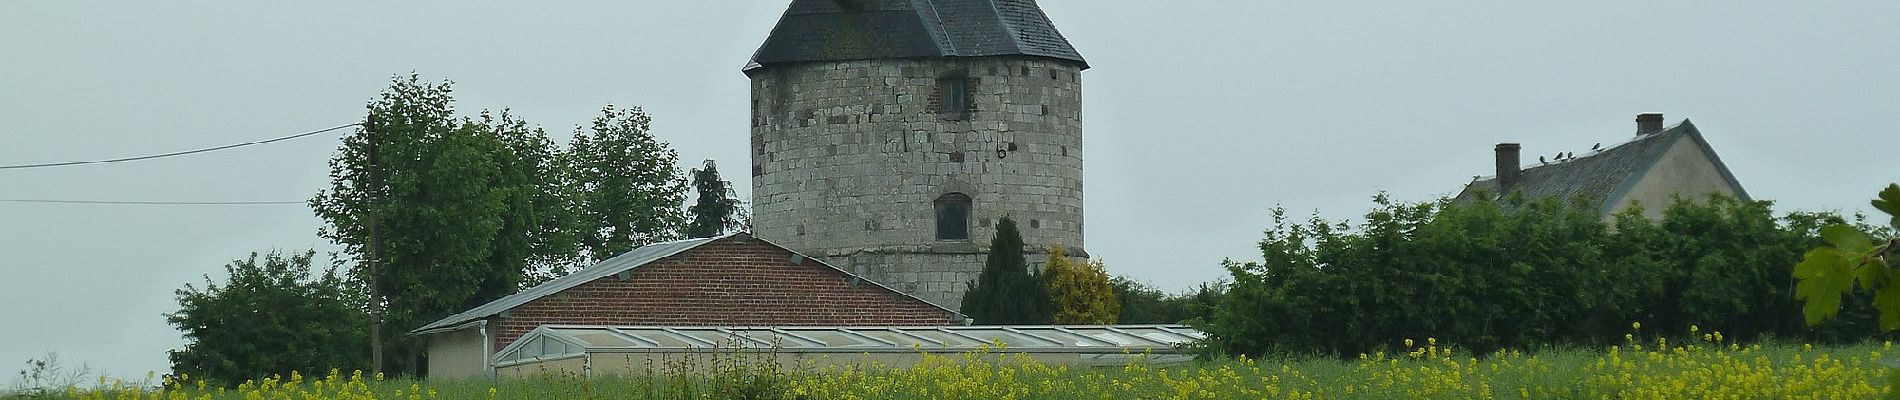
1597, 147
1540, 160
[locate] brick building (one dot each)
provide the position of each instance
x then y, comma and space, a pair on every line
732, 280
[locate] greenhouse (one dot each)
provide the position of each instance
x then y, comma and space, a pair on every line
596, 350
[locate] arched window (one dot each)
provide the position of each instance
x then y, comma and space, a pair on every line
953, 217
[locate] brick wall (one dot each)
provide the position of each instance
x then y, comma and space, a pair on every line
729, 282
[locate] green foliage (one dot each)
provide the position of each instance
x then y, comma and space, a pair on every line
1850, 258
461, 208
1516, 273
271, 315
628, 189
1079, 293
1006, 293
717, 209
1144, 304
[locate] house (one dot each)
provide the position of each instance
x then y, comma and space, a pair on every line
1651, 169
731, 280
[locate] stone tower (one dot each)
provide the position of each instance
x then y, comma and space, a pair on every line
889, 136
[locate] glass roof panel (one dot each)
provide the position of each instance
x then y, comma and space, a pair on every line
1012, 339
660, 336
833, 338
771, 339
1160, 336
902, 340
717, 338
1111, 336
1067, 339
948, 340
599, 338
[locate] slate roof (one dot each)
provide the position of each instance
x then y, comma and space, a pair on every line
609, 267
1601, 176
839, 30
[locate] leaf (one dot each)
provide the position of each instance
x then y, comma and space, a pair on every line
1889, 202
1869, 274
1887, 300
1824, 276
1847, 238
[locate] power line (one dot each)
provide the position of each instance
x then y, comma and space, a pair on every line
175, 154
154, 203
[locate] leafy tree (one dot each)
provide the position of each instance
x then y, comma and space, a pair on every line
1079, 293
628, 189
1141, 303
717, 211
436, 214
1144, 304
1006, 293
271, 315
1515, 273
1851, 258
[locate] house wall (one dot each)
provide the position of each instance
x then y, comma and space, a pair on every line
849, 157
1683, 170
457, 354
734, 281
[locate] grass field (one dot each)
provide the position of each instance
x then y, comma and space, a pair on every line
1704, 369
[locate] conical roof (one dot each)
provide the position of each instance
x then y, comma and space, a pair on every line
839, 30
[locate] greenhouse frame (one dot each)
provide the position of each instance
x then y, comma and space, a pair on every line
590, 350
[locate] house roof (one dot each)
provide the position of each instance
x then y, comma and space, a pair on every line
625, 262
839, 30
1604, 175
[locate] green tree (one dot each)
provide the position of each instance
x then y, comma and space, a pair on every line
1144, 304
270, 316
1006, 293
1079, 293
434, 214
717, 209
1141, 303
628, 189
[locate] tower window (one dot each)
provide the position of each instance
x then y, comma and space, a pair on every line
953, 98
953, 217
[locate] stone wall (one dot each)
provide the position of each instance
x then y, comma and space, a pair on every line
849, 157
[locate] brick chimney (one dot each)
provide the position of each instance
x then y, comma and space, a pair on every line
1649, 123
1508, 172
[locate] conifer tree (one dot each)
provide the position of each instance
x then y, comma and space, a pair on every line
1006, 293
1079, 293
717, 210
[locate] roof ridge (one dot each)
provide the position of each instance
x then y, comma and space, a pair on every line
942, 30
570, 280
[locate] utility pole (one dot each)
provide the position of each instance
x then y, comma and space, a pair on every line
375, 189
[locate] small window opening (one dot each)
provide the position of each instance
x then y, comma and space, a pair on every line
953, 99
953, 217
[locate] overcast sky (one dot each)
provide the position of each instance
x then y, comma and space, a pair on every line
1199, 116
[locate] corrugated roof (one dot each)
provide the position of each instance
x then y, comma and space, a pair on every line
838, 30
611, 266
1603, 175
